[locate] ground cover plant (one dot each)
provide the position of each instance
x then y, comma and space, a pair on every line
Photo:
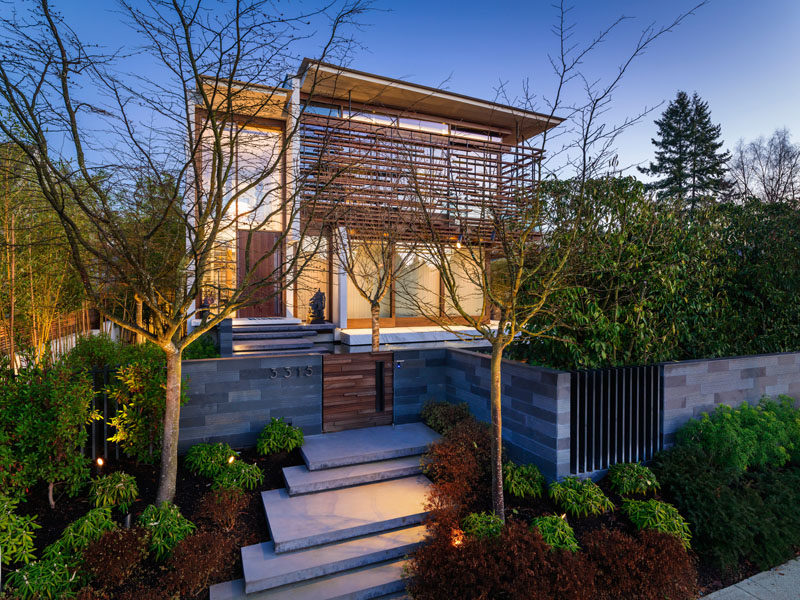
443, 416
542, 550
522, 481
632, 478
278, 436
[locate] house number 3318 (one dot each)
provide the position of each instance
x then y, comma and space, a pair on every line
287, 372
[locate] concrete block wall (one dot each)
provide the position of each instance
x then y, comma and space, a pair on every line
419, 377
694, 387
231, 399
536, 407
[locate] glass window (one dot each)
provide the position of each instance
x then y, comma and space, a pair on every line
367, 264
417, 286
467, 272
314, 276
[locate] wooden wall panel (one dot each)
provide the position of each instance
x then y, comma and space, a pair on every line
349, 394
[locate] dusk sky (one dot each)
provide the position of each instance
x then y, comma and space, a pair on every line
740, 56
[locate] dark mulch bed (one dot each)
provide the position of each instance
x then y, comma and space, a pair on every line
251, 527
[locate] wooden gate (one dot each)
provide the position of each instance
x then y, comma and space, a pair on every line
357, 390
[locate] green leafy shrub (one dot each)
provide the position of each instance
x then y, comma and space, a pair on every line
94, 352
16, 533
658, 516
443, 416
482, 525
523, 481
43, 417
112, 559
208, 460
116, 489
278, 436
580, 497
202, 347
52, 578
556, 532
632, 478
240, 475
80, 533
747, 436
167, 527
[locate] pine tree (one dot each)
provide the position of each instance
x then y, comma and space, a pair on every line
688, 156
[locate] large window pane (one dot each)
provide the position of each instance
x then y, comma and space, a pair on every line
367, 265
417, 286
315, 276
467, 272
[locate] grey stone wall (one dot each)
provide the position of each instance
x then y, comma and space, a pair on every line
231, 399
419, 377
536, 407
694, 387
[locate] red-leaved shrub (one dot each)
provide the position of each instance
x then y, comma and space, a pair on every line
197, 561
110, 560
650, 566
517, 565
222, 507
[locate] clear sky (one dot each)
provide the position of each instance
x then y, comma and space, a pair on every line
742, 56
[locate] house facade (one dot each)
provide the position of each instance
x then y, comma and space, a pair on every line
359, 152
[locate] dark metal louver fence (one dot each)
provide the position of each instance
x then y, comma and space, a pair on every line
99, 431
616, 416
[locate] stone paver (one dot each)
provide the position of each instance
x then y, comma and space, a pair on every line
299, 480
780, 583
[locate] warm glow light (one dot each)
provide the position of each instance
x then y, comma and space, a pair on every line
457, 537
100, 462
458, 245
231, 459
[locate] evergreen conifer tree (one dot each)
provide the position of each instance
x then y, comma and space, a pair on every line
688, 158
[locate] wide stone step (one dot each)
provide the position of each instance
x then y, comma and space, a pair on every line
297, 522
264, 569
273, 335
299, 480
371, 444
373, 581
266, 328
257, 345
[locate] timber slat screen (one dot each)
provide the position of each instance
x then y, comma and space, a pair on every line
616, 416
352, 394
364, 168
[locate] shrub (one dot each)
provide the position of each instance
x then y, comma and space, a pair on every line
240, 475
80, 533
278, 436
196, 561
459, 465
632, 478
208, 460
16, 533
658, 516
556, 532
111, 560
93, 351
652, 566
202, 347
747, 436
116, 489
443, 416
517, 565
167, 527
580, 497
222, 507
482, 525
54, 577
522, 481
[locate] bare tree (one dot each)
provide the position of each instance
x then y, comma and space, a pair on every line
503, 248
187, 154
768, 169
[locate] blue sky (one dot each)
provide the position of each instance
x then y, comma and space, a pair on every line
739, 55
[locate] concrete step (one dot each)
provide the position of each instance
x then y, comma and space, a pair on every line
272, 335
365, 583
297, 522
266, 328
299, 480
256, 345
371, 444
264, 569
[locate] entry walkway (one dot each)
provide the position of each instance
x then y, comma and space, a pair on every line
780, 583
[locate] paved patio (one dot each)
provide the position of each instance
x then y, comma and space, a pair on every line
780, 583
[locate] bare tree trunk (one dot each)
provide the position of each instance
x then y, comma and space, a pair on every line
498, 503
376, 326
139, 319
12, 290
50, 498
172, 412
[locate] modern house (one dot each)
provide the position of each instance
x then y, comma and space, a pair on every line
354, 148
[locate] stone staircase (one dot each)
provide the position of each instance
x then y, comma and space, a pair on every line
278, 336
345, 522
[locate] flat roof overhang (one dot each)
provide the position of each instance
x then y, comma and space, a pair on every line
320, 79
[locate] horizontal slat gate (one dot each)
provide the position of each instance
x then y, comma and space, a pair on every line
352, 394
